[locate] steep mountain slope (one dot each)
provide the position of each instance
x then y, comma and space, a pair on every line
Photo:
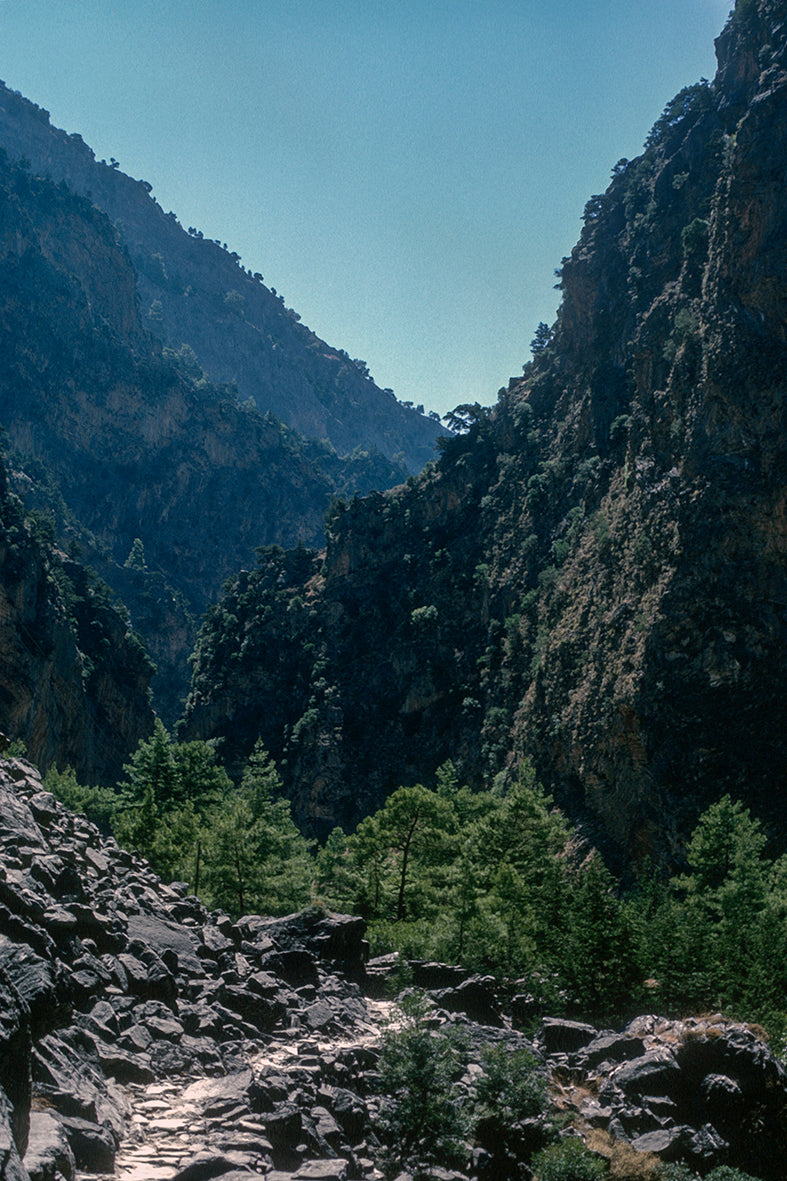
594, 574
196, 293
121, 441
74, 677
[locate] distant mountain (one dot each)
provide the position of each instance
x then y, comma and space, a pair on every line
161, 479
198, 297
595, 573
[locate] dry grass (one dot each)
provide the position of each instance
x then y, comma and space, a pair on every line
625, 1163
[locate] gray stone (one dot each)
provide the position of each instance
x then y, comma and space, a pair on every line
319, 1016
163, 935
12, 1167
48, 1156
206, 1165
476, 998
559, 1036
654, 1073
94, 1146
321, 1170
206, 1092
610, 1047
326, 1126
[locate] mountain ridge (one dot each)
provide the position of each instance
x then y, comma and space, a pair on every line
122, 441
197, 293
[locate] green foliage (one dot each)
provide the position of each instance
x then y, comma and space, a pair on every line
422, 1121
467, 417
727, 1173
715, 935
424, 618
98, 804
511, 1088
568, 1160
600, 964
238, 846
694, 237
720, 1173
541, 339
256, 858
691, 100
480, 878
136, 557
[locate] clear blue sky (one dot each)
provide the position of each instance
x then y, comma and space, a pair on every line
406, 173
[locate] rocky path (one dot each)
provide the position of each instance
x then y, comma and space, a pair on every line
170, 1128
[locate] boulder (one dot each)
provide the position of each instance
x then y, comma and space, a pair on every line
233, 1088
476, 997
164, 935
10, 1159
609, 1047
93, 1145
429, 975
15, 1062
48, 1156
654, 1073
207, 1165
295, 966
322, 1170
559, 1036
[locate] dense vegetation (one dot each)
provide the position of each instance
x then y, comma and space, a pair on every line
495, 880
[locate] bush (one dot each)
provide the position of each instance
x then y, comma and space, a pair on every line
720, 1173
568, 1160
421, 1121
511, 1088
726, 1173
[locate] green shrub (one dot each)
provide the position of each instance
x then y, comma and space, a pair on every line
568, 1160
676, 1173
726, 1173
421, 1123
512, 1087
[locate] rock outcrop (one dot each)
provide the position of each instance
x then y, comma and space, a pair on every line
593, 575
704, 1091
75, 678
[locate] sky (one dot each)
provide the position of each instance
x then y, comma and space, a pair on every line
407, 173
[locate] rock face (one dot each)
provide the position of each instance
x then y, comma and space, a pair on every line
194, 292
699, 1091
141, 1036
75, 680
594, 574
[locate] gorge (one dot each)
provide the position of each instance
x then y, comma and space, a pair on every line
496, 736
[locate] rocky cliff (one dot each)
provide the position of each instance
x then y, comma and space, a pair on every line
143, 1037
75, 684
195, 292
594, 573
